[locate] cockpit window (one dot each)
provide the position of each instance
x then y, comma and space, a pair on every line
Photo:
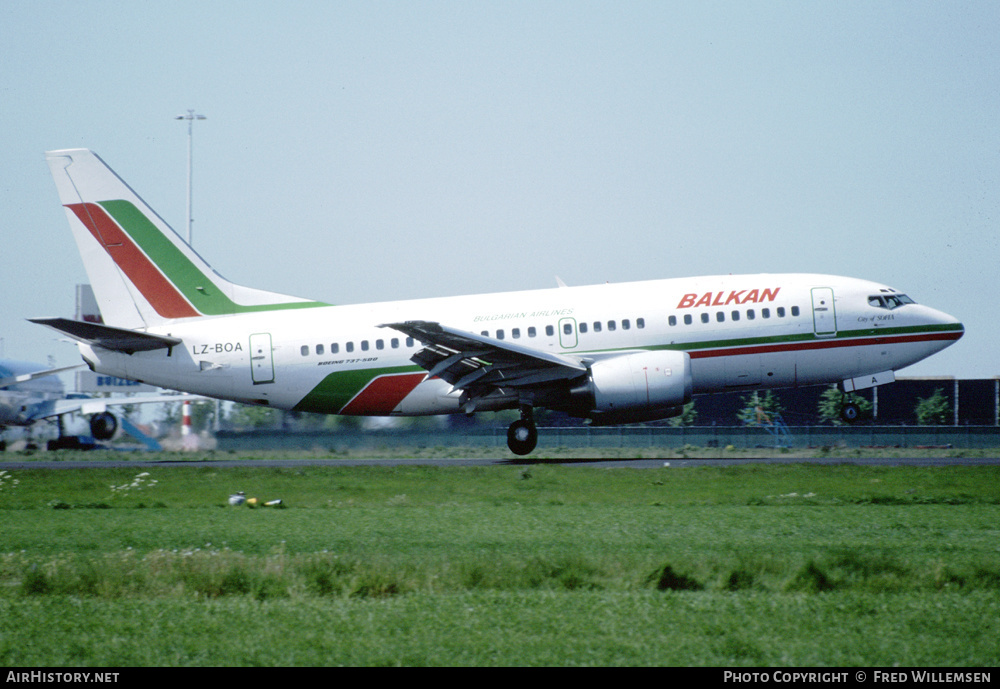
889, 301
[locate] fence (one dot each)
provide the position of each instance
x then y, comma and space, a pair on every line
743, 437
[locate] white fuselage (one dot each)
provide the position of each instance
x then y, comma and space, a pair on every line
741, 332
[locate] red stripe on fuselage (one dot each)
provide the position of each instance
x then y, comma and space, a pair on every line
383, 394
143, 273
825, 344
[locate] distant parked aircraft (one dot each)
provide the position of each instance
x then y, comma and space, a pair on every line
32, 393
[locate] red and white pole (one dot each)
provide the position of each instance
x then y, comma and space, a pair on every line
189, 441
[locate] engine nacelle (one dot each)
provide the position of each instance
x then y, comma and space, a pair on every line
103, 425
636, 387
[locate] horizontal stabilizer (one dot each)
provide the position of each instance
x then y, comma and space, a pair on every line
108, 337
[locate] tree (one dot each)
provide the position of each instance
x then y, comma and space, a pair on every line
202, 415
252, 416
831, 404
933, 411
686, 417
759, 410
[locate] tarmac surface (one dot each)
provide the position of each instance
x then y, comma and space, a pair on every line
672, 462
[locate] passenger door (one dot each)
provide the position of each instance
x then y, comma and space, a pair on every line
824, 312
261, 359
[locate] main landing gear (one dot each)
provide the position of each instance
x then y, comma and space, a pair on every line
522, 435
849, 409
849, 412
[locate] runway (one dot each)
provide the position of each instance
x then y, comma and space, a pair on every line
618, 463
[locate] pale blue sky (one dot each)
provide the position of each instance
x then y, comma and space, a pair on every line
364, 151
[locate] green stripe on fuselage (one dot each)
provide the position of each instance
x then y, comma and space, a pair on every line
337, 389
197, 288
812, 337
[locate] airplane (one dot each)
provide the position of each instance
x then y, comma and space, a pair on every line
610, 353
31, 393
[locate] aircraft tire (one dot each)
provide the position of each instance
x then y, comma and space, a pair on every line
522, 437
850, 412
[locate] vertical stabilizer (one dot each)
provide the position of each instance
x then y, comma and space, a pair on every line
142, 272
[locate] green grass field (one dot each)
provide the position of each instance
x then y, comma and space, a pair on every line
788, 565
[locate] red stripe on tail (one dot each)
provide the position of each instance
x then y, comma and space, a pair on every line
158, 291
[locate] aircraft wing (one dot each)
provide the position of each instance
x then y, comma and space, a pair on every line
480, 365
25, 377
95, 405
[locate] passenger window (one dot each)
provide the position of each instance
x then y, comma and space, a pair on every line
334, 348
567, 328
687, 319
485, 333
379, 344
305, 350
531, 331
780, 311
736, 315
612, 326
349, 347
319, 349
550, 330
500, 334
597, 326
795, 310
765, 313
640, 323
394, 343
704, 318
409, 342
750, 315
626, 324
720, 316
364, 345
671, 321
583, 327
515, 333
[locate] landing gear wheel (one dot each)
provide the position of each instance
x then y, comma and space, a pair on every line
522, 437
849, 412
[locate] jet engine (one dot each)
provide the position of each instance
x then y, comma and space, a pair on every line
103, 425
635, 387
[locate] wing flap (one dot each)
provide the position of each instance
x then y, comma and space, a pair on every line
480, 365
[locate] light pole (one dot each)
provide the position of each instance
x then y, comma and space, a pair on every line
190, 117
189, 442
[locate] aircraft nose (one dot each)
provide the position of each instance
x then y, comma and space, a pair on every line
948, 324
